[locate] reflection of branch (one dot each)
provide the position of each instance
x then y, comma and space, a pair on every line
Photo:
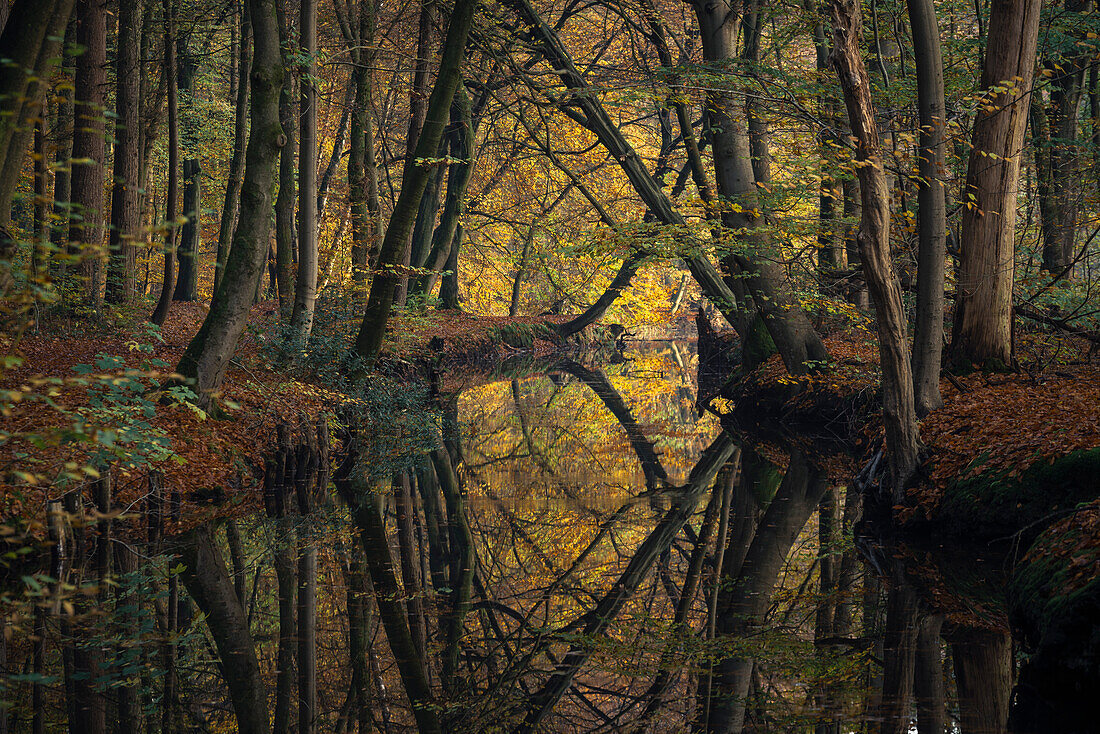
593, 622
647, 456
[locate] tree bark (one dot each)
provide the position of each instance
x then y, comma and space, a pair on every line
366, 224
232, 201
284, 665
305, 285
932, 207
368, 342
898, 408
982, 331
284, 204
86, 231
126, 195
209, 352
168, 279
307, 634
984, 674
187, 280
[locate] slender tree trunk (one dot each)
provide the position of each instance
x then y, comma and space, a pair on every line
366, 225
168, 280
982, 331
418, 112
284, 204
305, 286
898, 408
231, 203
187, 280
284, 666
86, 232
928, 678
932, 207
209, 352
368, 342
126, 196
307, 633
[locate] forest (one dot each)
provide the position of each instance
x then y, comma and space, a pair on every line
549, 366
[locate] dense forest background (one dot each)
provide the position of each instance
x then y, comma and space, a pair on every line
245, 243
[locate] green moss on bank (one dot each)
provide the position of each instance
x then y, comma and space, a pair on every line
992, 504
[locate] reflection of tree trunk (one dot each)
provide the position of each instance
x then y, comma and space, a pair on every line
285, 573
899, 657
462, 563
928, 677
751, 587
595, 621
410, 562
647, 456
359, 622
208, 583
307, 635
983, 673
410, 665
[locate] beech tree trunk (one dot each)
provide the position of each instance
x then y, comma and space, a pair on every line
984, 674
898, 408
305, 285
932, 208
284, 203
86, 231
126, 196
187, 280
368, 342
366, 224
168, 279
761, 268
231, 203
209, 352
307, 634
982, 333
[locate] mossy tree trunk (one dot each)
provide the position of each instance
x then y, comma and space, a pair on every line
368, 342
209, 352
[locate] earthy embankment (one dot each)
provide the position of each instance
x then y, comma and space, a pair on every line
82, 396
1013, 466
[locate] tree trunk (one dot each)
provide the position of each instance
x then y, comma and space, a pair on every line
898, 409
187, 281
209, 352
86, 231
366, 225
982, 332
932, 208
762, 271
418, 112
231, 203
126, 196
928, 678
284, 204
168, 280
305, 285
368, 342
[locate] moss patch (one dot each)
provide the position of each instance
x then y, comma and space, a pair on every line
994, 504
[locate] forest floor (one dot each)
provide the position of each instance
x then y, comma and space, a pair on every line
79, 384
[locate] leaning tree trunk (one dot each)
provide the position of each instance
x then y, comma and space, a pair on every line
368, 342
86, 230
305, 286
126, 193
168, 280
231, 203
982, 332
209, 352
898, 409
932, 207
